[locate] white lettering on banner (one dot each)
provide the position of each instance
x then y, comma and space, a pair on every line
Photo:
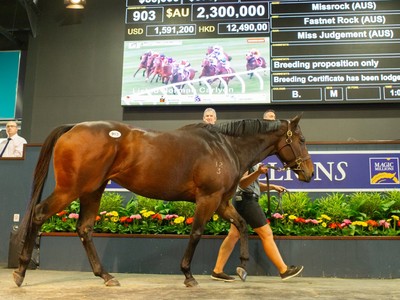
386, 166
329, 172
341, 170
333, 172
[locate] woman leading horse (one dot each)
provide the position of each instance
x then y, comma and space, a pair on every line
199, 163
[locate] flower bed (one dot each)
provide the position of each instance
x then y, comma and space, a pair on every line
357, 214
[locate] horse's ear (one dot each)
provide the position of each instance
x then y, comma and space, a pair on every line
295, 121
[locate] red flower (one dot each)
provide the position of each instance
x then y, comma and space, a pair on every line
123, 219
372, 223
398, 223
61, 213
333, 225
189, 220
157, 216
98, 218
300, 220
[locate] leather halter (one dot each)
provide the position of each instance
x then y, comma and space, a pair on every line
296, 163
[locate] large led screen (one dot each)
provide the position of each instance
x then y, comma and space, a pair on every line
211, 52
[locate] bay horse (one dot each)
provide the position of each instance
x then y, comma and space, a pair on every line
200, 163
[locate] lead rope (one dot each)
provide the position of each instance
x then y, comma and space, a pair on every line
279, 198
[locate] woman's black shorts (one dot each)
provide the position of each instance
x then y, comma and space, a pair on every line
249, 208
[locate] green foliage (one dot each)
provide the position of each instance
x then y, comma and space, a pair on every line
297, 204
393, 195
334, 205
335, 214
183, 208
110, 201
371, 205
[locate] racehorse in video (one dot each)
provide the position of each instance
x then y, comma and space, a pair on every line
150, 64
207, 69
210, 70
254, 63
143, 63
222, 69
200, 163
182, 74
211, 51
157, 69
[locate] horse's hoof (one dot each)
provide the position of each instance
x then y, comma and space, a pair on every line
241, 273
112, 282
191, 282
18, 279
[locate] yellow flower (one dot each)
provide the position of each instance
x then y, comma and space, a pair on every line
147, 214
325, 217
360, 223
143, 211
114, 219
323, 224
215, 217
112, 214
395, 217
179, 220
292, 217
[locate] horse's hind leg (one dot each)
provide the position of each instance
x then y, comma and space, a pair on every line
89, 207
29, 230
26, 253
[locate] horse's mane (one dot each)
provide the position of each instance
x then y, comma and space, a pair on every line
246, 127
239, 128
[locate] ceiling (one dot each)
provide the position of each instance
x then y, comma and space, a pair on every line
18, 21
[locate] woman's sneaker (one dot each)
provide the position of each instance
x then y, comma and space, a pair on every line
222, 277
292, 271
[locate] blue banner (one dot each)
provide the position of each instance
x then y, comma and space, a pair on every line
337, 171
345, 171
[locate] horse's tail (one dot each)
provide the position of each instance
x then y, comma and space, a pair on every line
39, 177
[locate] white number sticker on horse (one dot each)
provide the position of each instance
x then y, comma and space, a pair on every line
115, 134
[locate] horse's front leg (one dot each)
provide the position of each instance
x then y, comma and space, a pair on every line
194, 239
202, 214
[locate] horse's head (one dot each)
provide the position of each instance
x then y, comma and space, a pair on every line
292, 151
205, 62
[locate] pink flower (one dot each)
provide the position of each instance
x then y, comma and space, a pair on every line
103, 213
73, 216
169, 217
277, 216
313, 221
346, 222
384, 223
136, 217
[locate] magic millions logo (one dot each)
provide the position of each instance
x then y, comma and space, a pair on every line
384, 170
